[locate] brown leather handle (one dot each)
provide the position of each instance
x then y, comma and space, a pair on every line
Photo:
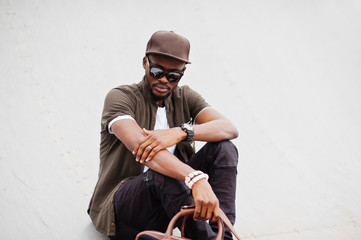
228, 223
222, 216
184, 212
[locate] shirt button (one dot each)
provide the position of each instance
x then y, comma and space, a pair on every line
113, 224
111, 201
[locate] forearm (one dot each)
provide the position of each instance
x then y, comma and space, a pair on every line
167, 164
215, 131
163, 162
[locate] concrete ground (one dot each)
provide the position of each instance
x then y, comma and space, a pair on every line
287, 73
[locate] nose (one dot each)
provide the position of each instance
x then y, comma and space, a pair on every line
163, 79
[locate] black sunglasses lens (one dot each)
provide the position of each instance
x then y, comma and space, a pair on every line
156, 72
173, 77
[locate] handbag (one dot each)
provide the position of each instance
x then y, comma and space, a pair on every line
184, 212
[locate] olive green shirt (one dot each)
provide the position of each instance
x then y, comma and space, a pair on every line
116, 161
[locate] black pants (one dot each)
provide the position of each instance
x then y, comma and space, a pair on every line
151, 199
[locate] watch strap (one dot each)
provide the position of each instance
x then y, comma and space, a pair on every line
189, 130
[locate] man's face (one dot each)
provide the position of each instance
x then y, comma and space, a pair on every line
161, 88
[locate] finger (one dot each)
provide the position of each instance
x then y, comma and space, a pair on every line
145, 154
152, 153
209, 213
144, 140
141, 148
135, 150
136, 153
197, 212
147, 132
204, 212
139, 151
215, 216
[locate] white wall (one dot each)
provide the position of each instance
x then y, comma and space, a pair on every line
286, 72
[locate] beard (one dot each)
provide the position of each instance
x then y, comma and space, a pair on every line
155, 97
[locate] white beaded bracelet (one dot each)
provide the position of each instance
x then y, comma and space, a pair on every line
194, 177
191, 176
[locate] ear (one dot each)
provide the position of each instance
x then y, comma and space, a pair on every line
144, 62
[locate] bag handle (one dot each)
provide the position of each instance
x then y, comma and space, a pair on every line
228, 223
222, 216
184, 212
189, 210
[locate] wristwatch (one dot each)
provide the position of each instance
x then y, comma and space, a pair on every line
189, 130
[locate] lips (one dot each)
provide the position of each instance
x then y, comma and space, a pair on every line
161, 88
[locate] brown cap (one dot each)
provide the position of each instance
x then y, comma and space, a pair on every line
169, 44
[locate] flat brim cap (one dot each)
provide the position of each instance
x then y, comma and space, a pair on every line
170, 44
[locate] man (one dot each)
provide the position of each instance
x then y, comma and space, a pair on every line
148, 168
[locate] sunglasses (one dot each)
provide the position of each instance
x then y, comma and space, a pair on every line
158, 73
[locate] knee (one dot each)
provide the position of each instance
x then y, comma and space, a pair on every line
227, 151
227, 145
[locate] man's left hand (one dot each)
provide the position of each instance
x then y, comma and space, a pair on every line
157, 140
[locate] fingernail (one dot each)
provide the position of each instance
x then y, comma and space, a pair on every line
147, 160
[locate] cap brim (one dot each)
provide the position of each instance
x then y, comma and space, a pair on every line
168, 55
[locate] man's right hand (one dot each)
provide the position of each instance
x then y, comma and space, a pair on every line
207, 204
